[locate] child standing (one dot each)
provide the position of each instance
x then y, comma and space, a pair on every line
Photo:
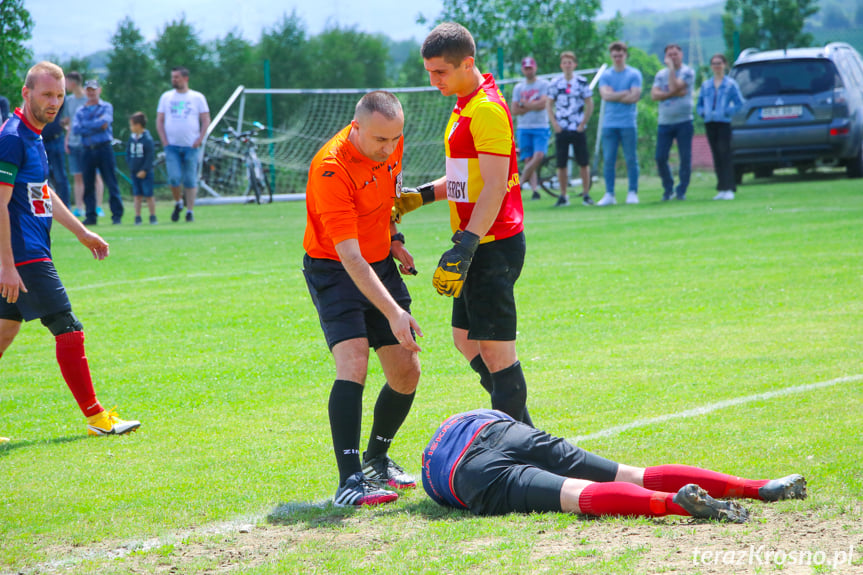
139, 156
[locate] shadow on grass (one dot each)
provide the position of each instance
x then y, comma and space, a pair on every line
324, 514
7, 448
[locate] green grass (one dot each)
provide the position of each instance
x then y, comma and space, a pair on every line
206, 334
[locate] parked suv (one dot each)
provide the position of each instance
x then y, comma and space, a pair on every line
803, 107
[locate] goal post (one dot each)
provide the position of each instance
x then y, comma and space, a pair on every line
304, 120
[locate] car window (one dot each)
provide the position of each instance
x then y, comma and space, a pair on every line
785, 77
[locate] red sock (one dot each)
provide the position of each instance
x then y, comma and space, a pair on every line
627, 499
719, 485
76, 371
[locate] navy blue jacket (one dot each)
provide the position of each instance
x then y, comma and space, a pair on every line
140, 153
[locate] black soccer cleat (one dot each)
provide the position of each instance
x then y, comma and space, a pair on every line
791, 487
700, 505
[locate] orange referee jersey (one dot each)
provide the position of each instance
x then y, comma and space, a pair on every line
350, 196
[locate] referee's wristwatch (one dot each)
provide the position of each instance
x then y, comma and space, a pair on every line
397, 237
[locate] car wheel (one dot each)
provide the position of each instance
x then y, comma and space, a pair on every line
854, 167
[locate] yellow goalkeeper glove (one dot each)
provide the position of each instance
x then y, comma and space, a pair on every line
410, 199
452, 268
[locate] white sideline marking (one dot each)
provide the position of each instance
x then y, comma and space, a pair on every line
157, 279
710, 407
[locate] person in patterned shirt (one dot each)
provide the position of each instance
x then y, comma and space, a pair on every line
570, 106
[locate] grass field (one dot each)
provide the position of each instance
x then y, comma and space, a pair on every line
206, 334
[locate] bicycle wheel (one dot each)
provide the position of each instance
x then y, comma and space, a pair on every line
546, 176
254, 188
267, 185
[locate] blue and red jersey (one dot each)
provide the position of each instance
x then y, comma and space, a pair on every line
446, 449
24, 166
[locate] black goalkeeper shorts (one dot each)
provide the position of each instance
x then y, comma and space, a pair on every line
486, 308
511, 467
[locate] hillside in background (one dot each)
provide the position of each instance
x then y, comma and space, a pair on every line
698, 30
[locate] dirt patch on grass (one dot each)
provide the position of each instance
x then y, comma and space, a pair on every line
815, 540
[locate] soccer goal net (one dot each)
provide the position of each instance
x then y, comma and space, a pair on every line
298, 122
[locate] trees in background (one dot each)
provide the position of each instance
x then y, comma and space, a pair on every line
541, 28
766, 24
16, 26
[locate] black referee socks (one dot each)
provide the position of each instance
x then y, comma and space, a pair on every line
391, 410
346, 415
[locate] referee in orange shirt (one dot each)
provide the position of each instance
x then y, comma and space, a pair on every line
361, 299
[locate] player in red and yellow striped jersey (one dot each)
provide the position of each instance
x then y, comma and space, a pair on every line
486, 213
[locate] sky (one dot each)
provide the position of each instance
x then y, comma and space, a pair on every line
81, 27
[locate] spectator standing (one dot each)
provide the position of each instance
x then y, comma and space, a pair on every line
93, 122
139, 157
182, 120
29, 285
529, 100
75, 99
673, 89
54, 138
620, 87
5, 112
570, 106
718, 99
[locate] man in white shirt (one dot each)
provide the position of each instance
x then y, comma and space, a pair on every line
182, 119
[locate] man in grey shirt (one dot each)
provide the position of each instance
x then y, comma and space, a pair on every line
672, 88
528, 104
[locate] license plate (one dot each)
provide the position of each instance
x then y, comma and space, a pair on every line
781, 112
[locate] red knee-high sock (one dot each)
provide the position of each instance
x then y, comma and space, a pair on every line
627, 499
719, 485
76, 371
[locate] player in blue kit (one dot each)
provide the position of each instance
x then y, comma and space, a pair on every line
29, 285
485, 461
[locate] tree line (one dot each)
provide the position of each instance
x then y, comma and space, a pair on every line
344, 57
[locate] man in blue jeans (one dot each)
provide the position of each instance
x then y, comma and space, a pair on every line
93, 122
182, 119
672, 88
620, 88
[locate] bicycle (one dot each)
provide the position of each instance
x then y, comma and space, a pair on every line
259, 183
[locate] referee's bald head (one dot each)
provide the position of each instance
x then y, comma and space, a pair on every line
380, 101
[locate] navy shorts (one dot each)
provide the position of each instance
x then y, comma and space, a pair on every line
345, 313
142, 187
512, 467
486, 307
45, 294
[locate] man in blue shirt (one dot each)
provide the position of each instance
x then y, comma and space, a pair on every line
672, 88
29, 285
93, 123
620, 87
53, 136
485, 461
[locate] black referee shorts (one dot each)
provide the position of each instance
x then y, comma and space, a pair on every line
486, 308
345, 313
45, 294
578, 140
511, 467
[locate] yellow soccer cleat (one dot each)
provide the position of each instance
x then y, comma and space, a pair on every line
109, 423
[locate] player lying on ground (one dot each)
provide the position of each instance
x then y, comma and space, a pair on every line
485, 461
